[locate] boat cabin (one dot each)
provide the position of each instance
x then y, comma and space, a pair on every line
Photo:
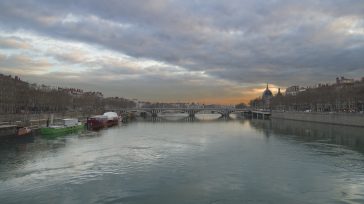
70, 122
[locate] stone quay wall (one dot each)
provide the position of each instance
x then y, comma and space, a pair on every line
37, 119
352, 119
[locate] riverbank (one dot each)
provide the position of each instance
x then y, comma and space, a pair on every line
351, 119
38, 119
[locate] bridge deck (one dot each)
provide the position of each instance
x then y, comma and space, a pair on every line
183, 109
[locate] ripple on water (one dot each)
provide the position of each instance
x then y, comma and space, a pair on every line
212, 162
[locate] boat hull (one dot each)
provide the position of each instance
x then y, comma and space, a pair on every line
49, 131
96, 123
113, 122
112, 118
24, 131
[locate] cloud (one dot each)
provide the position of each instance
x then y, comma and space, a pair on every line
193, 42
23, 65
13, 43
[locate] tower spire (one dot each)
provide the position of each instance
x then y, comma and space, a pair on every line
267, 85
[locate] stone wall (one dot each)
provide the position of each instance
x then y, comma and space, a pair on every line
7, 130
37, 119
353, 119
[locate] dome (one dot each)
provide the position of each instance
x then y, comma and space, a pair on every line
267, 93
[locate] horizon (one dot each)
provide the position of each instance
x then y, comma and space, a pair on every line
273, 89
191, 51
106, 96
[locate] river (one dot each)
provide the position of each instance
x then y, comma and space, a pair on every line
189, 161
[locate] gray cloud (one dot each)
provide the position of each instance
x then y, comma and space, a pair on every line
282, 42
23, 64
13, 43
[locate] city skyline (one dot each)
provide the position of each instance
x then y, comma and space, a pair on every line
190, 51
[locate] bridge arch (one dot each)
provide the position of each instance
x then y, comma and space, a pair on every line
224, 112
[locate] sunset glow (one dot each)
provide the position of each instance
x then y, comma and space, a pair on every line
181, 50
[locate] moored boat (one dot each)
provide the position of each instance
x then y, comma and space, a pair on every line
112, 118
23, 131
96, 122
68, 126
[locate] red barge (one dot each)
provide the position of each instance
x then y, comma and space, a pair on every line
96, 122
112, 118
102, 121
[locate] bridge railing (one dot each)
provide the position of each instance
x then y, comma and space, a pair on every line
184, 109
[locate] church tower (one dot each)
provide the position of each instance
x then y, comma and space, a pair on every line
266, 97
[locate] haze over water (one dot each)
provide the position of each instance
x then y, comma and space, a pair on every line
208, 161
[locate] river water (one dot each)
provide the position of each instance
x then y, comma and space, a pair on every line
188, 161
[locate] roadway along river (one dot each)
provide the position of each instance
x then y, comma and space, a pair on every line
187, 161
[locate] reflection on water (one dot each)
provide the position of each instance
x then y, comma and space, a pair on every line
307, 132
200, 117
172, 116
188, 160
213, 116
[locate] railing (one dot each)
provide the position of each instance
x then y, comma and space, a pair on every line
183, 109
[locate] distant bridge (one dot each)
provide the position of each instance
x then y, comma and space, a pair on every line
192, 111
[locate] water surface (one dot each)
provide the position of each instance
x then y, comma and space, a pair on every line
189, 161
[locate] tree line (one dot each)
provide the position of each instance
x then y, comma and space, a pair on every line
17, 96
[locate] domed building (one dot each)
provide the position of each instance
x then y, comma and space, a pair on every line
266, 97
279, 94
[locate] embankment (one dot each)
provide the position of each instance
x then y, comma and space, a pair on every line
37, 119
352, 119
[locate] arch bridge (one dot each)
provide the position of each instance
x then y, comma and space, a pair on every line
225, 112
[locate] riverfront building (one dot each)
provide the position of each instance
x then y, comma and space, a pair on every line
344, 81
266, 97
294, 90
20, 97
13, 93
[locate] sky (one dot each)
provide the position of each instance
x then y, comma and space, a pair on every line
182, 50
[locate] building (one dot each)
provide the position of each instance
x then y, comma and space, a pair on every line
344, 81
13, 94
266, 98
72, 91
93, 93
294, 90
